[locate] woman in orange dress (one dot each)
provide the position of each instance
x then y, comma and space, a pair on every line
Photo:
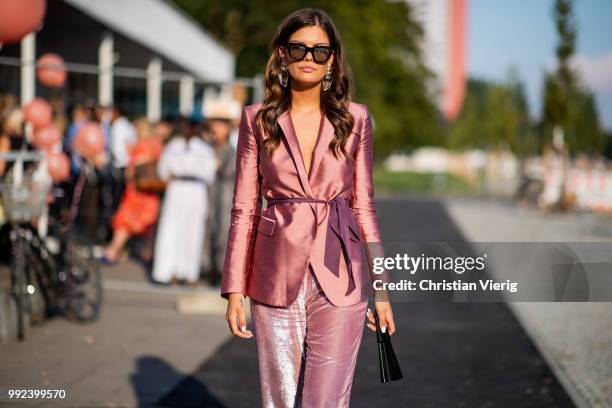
138, 209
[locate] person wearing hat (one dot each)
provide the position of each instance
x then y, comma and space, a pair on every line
221, 117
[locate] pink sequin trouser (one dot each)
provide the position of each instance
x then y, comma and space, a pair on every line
308, 350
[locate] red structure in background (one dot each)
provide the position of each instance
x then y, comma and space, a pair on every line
454, 88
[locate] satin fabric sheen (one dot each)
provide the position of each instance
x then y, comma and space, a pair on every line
268, 252
308, 350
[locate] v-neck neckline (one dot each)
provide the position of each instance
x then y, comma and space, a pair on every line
319, 131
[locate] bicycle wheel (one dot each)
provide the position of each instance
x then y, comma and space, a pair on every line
82, 301
41, 264
18, 285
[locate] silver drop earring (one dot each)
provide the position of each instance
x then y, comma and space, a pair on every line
327, 80
283, 77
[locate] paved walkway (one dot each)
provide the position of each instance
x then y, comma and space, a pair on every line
452, 354
137, 352
575, 338
143, 352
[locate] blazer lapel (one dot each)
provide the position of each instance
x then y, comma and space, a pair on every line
326, 132
286, 125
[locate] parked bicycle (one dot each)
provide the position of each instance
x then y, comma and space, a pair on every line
54, 274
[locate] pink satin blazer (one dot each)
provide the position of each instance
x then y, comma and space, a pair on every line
268, 252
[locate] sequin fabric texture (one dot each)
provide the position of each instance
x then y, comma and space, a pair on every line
307, 351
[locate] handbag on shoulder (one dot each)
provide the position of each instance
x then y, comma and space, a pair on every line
146, 177
387, 361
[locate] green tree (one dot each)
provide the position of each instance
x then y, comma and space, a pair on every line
468, 129
494, 115
525, 142
567, 102
607, 138
382, 42
502, 119
560, 86
591, 138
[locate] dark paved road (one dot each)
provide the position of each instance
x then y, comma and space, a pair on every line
452, 354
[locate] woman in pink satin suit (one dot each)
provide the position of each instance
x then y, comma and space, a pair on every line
307, 149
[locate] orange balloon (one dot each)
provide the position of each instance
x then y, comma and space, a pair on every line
38, 112
20, 17
46, 137
89, 140
51, 70
58, 166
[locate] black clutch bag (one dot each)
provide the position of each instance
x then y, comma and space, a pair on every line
387, 362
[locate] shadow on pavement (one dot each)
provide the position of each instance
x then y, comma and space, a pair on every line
231, 373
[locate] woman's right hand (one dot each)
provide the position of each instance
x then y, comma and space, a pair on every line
236, 316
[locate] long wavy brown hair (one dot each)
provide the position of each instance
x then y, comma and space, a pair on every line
334, 101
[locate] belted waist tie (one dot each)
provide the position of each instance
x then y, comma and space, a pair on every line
190, 178
339, 224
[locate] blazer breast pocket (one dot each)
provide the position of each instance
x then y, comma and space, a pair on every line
266, 225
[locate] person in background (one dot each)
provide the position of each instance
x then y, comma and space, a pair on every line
221, 121
11, 136
60, 120
188, 165
104, 116
233, 137
8, 102
138, 210
80, 115
163, 129
94, 171
122, 139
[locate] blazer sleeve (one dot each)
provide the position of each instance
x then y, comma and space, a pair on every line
363, 203
245, 213
363, 186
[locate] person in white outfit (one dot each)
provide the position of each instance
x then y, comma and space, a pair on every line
188, 164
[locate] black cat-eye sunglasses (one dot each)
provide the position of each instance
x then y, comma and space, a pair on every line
320, 53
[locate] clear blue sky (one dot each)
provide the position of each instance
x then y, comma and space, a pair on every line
502, 33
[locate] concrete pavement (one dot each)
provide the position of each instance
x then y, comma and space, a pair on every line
139, 349
575, 338
143, 352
